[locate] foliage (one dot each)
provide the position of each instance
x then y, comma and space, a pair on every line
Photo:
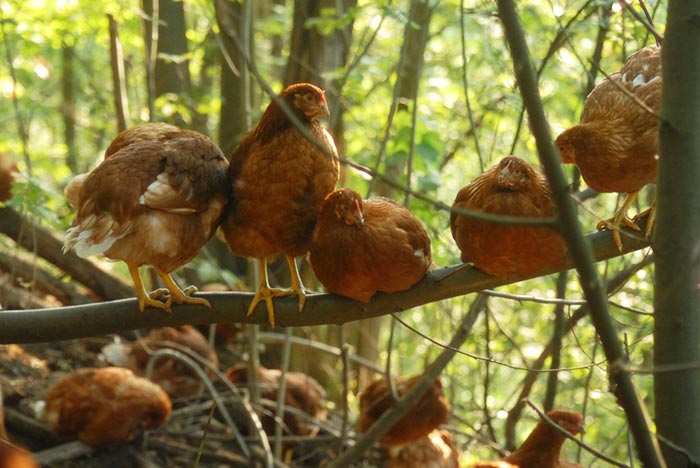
451, 147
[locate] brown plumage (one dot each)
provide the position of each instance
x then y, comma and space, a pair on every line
542, 447
175, 377
510, 188
360, 246
8, 173
280, 179
11, 454
431, 410
155, 199
436, 450
615, 145
301, 392
106, 406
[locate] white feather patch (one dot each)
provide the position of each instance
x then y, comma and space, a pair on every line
640, 80
161, 195
80, 237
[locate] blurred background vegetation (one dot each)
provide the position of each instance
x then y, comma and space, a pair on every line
421, 92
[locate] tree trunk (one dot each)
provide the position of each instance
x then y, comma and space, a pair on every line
68, 86
677, 299
171, 71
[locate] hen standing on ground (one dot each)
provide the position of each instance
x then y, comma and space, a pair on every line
105, 406
510, 188
360, 246
615, 145
302, 392
280, 179
431, 410
542, 447
156, 199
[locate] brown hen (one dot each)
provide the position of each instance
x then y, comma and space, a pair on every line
106, 406
178, 379
8, 173
11, 454
431, 410
155, 199
301, 392
542, 447
280, 179
511, 188
616, 144
360, 246
436, 450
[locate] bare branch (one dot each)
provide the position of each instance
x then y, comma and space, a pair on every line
41, 325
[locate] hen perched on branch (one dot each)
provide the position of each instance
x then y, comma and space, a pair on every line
155, 199
510, 188
279, 180
360, 246
616, 144
542, 447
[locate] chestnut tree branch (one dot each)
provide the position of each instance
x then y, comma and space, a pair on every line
43, 325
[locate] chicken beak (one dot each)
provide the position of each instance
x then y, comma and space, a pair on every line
581, 428
323, 110
359, 217
504, 176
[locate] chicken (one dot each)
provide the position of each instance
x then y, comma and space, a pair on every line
301, 392
11, 455
155, 199
510, 188
542, 447
429, 412
178, 379
615, 145
279, 180
8, 173
106, 406
361, 247
436, 450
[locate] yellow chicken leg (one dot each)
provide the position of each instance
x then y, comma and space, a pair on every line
619, 220
177, 295
651, 214
266, 293
144, 299
297, 286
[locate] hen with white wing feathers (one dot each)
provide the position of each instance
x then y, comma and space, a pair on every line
155, 199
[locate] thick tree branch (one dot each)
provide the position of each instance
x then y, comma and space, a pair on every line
580, 249
42, 325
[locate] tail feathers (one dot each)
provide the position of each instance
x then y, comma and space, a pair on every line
93, 235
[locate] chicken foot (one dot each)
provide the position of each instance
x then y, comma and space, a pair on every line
620, 220
651, 214
266, 293
176, 295
144, 299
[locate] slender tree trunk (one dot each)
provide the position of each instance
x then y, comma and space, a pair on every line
677, 238
116, 52
68, 85
171, 67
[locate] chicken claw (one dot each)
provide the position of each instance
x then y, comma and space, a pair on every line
177, 295
266, 293
620, 220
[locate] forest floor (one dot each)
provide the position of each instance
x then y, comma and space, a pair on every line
27, 371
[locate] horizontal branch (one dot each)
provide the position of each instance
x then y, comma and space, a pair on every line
43, 325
